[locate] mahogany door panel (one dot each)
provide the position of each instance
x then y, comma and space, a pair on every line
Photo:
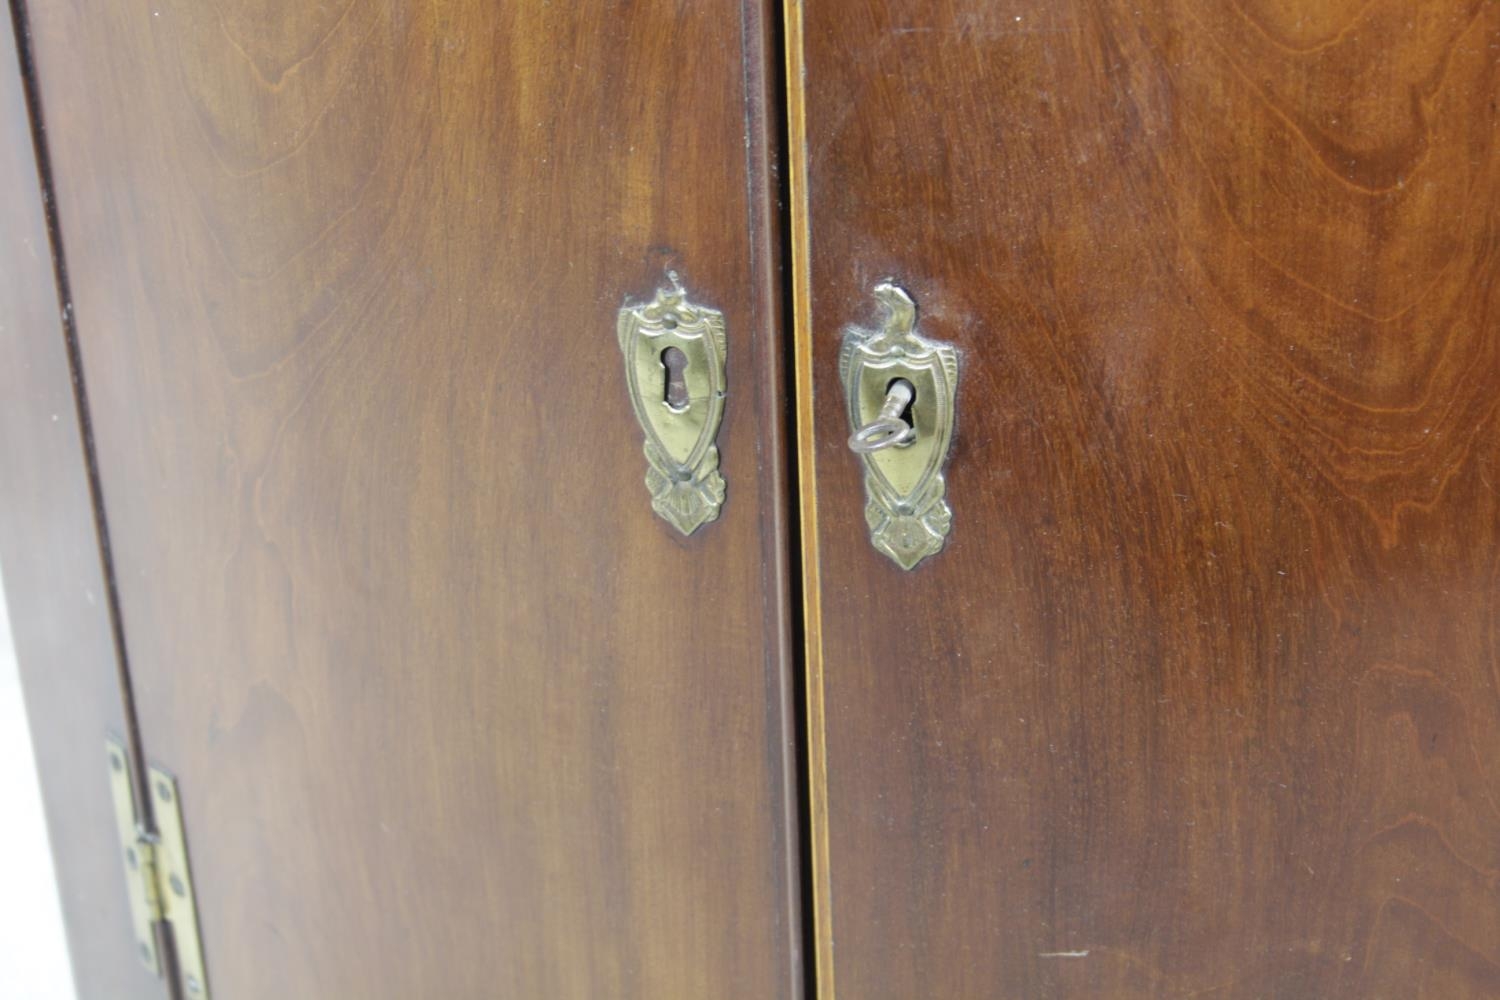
55, 587
452, 711
1202, 696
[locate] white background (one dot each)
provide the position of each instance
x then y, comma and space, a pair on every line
33, 950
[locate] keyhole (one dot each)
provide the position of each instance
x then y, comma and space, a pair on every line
675, 393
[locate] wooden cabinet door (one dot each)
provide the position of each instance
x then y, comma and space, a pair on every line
1202, 697
452, 711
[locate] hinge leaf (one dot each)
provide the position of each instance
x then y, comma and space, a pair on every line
175, 884
136, 855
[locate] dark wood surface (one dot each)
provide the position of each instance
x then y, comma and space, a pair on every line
453, 712
1203, 698
54, 584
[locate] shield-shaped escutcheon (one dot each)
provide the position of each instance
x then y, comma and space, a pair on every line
905, 508
667, 339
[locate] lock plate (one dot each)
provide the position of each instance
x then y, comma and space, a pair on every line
678, 401
905, 506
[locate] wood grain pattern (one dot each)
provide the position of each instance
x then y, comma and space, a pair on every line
1203, 698
453, 712
54, 586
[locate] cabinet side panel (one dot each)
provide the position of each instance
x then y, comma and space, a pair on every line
54, 585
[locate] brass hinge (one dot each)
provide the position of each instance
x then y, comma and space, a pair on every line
157, 878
